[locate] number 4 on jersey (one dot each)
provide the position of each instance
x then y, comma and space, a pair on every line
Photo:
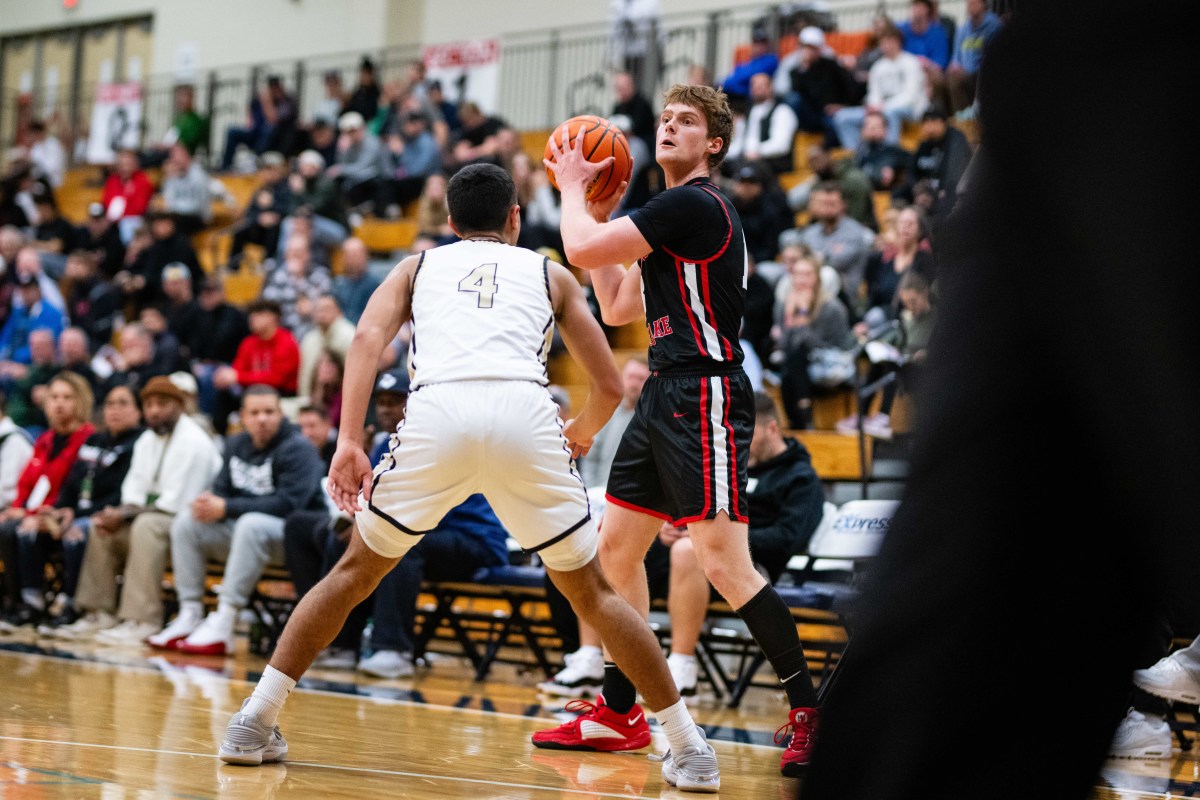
482, 281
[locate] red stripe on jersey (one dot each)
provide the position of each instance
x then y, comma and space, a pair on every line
706, 445
702, 279
728, 221
639, 509
687, 305
708, 309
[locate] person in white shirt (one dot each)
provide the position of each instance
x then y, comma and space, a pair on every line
767, 133
16, 447
47, 154
896, 87
173, 462
595, 465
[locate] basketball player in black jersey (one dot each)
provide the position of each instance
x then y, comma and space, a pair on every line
684, 455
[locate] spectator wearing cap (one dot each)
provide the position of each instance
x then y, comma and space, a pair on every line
268, 356
361, 163
330, 331
93, 303
817, 86
262, 219
173, 461
763, 209
941, 159
762, 58
268, 471
896, 87
186, 190
270, 125
31, 314
414, 157
766, 134
100, 236
127, 193
316, 200
354, 287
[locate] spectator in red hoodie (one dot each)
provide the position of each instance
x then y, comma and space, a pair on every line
127, 194
269, 355
69, 411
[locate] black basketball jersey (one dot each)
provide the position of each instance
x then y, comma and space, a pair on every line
694, 281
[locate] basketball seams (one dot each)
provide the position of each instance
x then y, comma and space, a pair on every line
599, 134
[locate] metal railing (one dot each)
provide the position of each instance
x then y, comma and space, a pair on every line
546, 76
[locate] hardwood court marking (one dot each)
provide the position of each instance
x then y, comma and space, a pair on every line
368, 770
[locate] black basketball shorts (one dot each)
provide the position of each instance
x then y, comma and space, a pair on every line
684, 455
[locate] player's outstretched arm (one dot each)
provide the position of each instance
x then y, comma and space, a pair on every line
389, 308
586, 343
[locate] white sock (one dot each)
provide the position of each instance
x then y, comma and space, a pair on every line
227, 613
191, 608
591, 651
33, 598
269, 696
679, 727
681, 658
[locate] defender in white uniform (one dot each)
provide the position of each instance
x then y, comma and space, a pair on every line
479, 419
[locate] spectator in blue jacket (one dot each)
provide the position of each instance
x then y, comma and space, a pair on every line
972, 39
763, 58
32, 313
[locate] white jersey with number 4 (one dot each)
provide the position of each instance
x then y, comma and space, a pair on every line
481, 311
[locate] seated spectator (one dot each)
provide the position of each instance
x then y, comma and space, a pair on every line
315, 425
46, 154
16, 448
179, 307
361, 164
839, 241
762, 59
787, 503
364, 100
141, 281
173, 461
188, 128
271, 202
270, 124
909, 249
941, 159
100, 236
295, 283
856, 187
186, 190
75, 355
267, 471
169, 355
214, 339
594, 467
446, 126
807, 316
353, 288
328, 375
30, 315
433, 214
54, 236
765, 134
127, 193
927, 38
94, 482
93, 303
896, 88
628, 101
539, 206
333, 102
69, 411
887, 165
27, 383
970, 42
330, 331
414, 156
646, 179
268, 356
818, 86
29, 265
763, 208
136, 362
479, 139
317, 201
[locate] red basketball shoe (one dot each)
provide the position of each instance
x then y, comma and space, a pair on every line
803, 724
597, 728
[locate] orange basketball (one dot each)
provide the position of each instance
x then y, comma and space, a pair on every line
601, 139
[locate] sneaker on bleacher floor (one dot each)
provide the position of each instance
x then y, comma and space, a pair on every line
387, 664
878, 425
213, 636
336, 658
1170, 680
177, 630
597, 728
692, 769
86, 627
685, 673
582, 673
129, 633
803, 723
847, 425
1141, 736
249, 742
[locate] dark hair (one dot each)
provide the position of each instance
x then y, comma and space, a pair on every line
764, 406
133, 392
829, 186
37, 126
313, 409
263, 304
260, 390
479, 197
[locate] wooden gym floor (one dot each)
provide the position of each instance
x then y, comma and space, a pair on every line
77, 721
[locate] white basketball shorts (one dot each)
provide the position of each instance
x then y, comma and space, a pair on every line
499, 438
